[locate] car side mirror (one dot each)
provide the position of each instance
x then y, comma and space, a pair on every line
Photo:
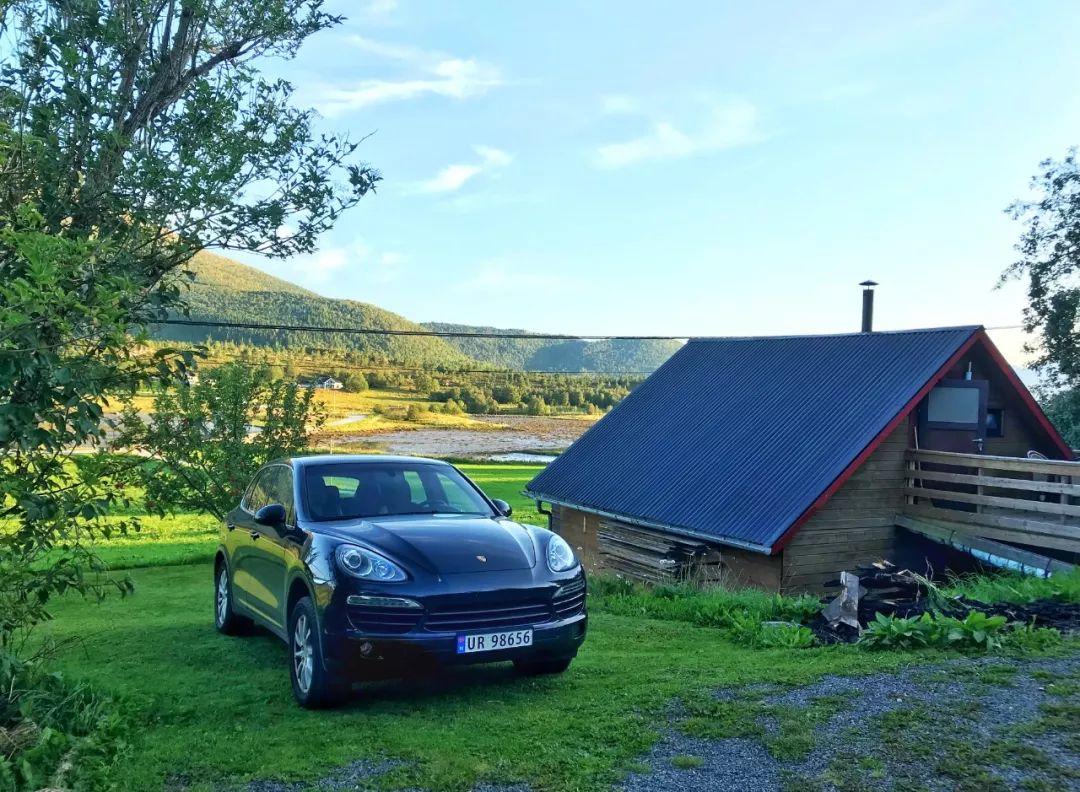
504, 508
272, 515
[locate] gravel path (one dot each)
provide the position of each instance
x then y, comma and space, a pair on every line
974, 708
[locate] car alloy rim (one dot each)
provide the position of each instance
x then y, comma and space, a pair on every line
303, 660
222, 596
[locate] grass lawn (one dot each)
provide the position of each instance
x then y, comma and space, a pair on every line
213, 712
213, 709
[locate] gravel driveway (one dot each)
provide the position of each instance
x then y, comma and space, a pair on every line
981, 724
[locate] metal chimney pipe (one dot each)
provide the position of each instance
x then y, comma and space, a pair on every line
868, 306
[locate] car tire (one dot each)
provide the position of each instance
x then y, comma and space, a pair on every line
538, 667
225, 619
313, 685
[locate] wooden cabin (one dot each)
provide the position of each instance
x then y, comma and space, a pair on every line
780, 461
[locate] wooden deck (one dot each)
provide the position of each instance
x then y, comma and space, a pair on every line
1029, 502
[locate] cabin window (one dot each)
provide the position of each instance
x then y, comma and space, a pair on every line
995, 422
957, 405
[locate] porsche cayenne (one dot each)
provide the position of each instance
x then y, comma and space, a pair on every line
368, 565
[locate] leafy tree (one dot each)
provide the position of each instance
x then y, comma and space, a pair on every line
133, 133
1049, 249
1062, 407
537, 406
212, 437
354, 382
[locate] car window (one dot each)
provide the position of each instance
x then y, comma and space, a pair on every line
256, 496
455, 492
280, 490
360, 490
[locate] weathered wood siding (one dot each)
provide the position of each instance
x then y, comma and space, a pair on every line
738, 567
856, 525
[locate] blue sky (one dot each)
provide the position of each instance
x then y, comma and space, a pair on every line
696, 168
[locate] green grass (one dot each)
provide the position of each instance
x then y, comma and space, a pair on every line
219, 710
686, 761
1014, 587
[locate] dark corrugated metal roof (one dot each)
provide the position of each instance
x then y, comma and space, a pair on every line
734, 438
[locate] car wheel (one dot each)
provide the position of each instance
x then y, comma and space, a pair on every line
537, 667
225, 619
313, 686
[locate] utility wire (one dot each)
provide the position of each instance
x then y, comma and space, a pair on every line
447, 333
427, 333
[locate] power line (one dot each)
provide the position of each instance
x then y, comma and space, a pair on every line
426, 333
520, 336
309, 367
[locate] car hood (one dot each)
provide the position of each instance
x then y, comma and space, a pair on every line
446, 544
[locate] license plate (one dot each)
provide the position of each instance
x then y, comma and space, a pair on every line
488, 642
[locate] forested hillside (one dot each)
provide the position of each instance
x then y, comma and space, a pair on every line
555, 355
226, 290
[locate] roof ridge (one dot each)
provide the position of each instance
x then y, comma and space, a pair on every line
953, 329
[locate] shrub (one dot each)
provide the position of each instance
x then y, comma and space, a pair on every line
895, 632
975, 632
52, 733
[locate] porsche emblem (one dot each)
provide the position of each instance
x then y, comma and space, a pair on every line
482, 559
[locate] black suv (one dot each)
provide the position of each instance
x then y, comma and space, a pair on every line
363, 563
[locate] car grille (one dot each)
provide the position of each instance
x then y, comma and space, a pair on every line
484, 616
384, 620
570, 599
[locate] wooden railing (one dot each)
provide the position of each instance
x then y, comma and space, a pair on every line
1029, 501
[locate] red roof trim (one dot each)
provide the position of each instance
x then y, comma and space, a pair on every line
856, 463
1026, 397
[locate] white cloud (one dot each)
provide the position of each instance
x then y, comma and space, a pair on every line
450, 178
453, 177
727, 125
357, 258
380, 7
493, 156
434, 74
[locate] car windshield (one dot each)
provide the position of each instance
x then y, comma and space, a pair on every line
342, 491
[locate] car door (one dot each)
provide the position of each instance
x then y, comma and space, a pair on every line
266, 554
242, 529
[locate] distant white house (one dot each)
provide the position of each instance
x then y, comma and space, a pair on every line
329, 383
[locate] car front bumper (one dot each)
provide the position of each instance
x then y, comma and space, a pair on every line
364, 652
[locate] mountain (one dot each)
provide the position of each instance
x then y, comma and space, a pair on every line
543, 354
228, 291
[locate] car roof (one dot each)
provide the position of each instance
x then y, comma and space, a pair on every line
362, 459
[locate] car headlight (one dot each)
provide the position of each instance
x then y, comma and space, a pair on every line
367, 565
559, 555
